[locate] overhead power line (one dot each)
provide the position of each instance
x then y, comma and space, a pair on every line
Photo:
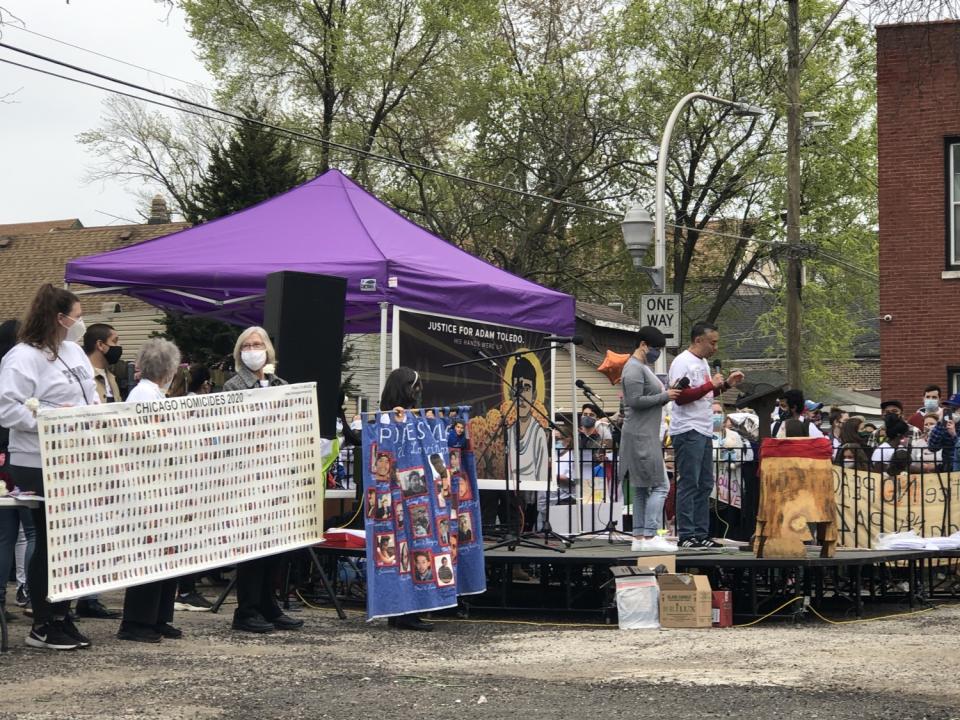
110, 57
235, 119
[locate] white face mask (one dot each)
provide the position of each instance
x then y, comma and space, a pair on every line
76, 331
254, 359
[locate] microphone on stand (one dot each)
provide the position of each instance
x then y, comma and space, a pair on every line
587, 390
563, 340
482, 354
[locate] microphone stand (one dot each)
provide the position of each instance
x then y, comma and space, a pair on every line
520, 538
611, 527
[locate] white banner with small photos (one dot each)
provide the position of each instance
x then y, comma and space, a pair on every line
144, 491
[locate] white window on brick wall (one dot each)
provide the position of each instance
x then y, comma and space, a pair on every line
954, 189
953, 379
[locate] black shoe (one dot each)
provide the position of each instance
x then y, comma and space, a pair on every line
690, 543
252, 623
410, 622
95, 610
285, 622
138, 633
51, 636
73, 631
192, 602
169, 631
23, 596
710, 543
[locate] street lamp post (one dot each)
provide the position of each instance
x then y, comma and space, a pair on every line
636, 225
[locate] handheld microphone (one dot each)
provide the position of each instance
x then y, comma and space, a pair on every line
717, 365
573, 339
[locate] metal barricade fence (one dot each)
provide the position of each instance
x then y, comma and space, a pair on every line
594, 497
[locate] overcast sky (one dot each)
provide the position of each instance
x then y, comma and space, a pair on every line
41, 163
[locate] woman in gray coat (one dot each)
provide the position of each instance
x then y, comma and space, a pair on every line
641, 451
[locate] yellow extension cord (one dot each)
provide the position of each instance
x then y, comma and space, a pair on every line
614, 627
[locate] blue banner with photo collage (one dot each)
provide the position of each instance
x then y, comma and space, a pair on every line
422, 511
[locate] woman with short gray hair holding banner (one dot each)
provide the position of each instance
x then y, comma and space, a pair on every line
148, 609
257, 608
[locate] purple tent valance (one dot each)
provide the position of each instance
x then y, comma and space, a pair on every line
331, 226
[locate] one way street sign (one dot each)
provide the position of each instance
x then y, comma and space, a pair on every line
662, 312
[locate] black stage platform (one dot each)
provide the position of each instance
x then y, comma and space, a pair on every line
579, 579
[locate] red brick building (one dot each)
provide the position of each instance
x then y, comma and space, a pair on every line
918, 145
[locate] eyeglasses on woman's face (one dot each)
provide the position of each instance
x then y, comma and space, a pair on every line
253, 345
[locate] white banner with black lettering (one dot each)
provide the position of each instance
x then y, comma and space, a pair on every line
138, 492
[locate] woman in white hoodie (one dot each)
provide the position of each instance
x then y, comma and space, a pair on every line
47, 365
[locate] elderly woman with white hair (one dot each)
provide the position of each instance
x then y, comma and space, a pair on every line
148, 609
257, 608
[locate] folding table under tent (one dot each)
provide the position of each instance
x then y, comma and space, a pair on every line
331, 226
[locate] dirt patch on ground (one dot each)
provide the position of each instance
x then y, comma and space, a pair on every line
900, 668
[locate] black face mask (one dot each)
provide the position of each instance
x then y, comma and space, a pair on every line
113, 354
891, 417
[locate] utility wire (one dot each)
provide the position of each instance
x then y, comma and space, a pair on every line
303, 136
201, 110
114, 59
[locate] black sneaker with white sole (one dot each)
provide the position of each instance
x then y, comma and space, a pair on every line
690, 543
710, 543
73, 631
51, 636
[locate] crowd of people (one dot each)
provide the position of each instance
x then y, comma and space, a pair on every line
54, 360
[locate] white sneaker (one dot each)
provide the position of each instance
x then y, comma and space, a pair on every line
638, 545
660, 544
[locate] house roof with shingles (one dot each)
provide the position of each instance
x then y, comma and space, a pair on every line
742, 339
31, 259
15, 229
606, 316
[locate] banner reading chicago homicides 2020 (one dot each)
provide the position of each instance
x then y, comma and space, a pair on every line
145, 491
424, 545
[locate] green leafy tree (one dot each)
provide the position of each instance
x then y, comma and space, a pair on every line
251, 166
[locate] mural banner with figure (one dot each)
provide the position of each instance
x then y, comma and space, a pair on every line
424, 544
428, 342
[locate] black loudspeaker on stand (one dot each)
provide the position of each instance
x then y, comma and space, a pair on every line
304, 315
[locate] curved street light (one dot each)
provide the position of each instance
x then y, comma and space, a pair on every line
636, 224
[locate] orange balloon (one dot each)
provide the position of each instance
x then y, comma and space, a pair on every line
612, 365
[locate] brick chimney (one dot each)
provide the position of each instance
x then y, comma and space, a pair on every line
159, 213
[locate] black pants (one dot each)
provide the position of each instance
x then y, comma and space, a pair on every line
255, 581
495, 511
28, 478
150, 604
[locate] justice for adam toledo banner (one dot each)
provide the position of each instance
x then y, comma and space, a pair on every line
138, 492
428, 342
424, 545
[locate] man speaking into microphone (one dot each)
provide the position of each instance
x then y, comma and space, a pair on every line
691, 429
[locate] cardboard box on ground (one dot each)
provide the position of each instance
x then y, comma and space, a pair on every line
668, 600
686, 601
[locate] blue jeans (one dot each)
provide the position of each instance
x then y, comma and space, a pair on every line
648, 508
10, 521
693, 455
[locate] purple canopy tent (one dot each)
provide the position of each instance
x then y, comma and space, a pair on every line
330, 226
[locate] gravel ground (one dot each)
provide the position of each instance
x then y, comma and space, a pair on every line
901, 668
